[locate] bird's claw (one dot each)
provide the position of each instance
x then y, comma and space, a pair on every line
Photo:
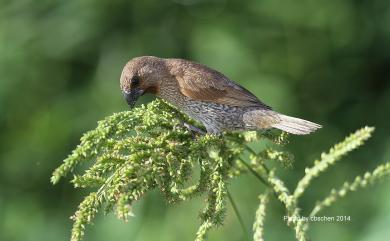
194, 129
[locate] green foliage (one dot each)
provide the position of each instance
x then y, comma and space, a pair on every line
136, 151
131, 153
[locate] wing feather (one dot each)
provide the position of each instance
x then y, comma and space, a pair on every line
199, 82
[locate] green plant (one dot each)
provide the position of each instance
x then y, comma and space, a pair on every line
148, 148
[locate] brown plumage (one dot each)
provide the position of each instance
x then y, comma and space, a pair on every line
206, 95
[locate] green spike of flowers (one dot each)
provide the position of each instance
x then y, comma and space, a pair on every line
290, 204
327, 159
258, 226
359, 182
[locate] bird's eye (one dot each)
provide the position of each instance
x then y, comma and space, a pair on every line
135, 81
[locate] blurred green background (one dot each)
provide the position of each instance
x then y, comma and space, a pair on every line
327, 61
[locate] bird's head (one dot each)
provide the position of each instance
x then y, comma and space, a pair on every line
142, 75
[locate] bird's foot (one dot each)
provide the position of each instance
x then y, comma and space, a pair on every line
194, 130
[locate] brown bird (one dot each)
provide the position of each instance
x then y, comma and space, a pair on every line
206, 95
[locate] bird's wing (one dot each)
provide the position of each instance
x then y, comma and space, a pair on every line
199, 82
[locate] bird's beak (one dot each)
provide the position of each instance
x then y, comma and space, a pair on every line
132, 96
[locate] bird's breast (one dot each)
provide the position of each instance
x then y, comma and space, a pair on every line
171, 93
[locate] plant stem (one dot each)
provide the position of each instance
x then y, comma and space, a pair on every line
256, 154
244, 230
256, 174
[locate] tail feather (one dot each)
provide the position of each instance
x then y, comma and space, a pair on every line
295, 125
264, 119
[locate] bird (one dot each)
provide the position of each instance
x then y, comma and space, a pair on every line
205, 95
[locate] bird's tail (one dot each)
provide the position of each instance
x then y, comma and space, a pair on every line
295, 125
271, 119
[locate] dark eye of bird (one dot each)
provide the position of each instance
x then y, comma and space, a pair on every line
135, 81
